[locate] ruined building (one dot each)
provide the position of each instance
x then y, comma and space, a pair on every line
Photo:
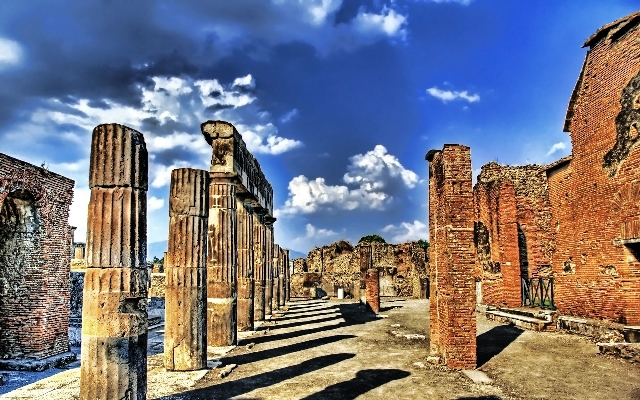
403, 270
35, 242
573, 224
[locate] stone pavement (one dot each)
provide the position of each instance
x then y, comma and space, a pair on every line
320, 349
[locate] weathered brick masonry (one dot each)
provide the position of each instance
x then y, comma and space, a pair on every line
35, 240
578, 219
452, 257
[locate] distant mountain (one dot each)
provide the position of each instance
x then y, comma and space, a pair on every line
296, 254
156, 249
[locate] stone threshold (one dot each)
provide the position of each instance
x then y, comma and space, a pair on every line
59, 360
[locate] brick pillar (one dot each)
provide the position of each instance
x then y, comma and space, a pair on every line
452, 304
508, 242
114, 311
222, 255
185, 336
268, 290
245, 268
259, 249
373, 290
366, 262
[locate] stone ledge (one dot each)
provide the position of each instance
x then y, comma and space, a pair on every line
521, 321
59, 360
601, 331
627, 351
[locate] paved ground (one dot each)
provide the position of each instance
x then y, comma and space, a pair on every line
334, 350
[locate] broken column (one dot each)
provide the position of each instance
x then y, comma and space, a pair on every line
245, 268
114, 313
373, 290
452, 256
234, 174
259, 267
185, 336
366, 262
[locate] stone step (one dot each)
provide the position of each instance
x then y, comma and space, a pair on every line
521, 321
530, 312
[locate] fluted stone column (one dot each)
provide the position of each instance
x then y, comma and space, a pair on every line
276, 277
373, 290
259, 250
281, 279
222, 255
245, 268
268, 290
185, 336
287, 273
114, 311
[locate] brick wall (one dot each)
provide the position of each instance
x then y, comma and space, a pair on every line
452, 257
597, 197
35, 238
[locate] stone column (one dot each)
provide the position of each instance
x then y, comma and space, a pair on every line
281, 279
268, 290
114, 311
245, 268
259, 267
366, 262
287, 277
373, 290
276, 277
222, 255
185, 336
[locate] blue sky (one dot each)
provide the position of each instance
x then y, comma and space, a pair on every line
338, 100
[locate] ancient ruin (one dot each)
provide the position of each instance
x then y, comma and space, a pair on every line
35, 240
565, 236
114, 314
452, 257
237, 189
185, 334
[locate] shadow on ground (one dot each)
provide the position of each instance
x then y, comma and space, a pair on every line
492, 342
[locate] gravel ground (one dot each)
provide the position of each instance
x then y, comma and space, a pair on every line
318, 349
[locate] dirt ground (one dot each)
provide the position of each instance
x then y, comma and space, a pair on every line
320, 349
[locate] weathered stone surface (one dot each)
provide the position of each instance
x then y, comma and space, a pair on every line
275, 297
372, 283
114, 312
268, 290
245, 268
222, 256
452, 255
185, 337
259, 255
35, 243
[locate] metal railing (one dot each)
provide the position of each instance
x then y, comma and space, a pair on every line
538, 292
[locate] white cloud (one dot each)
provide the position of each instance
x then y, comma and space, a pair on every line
313, 237
10, 53
462, 2
289, 116
556, 147
161, 174
448, 95
374, 177
407, 232
388, 22
154, 203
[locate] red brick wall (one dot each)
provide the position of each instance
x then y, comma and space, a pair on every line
452, 257
596, 274
34, 267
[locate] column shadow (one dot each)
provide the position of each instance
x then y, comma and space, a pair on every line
229, 389
301, 323
492, 342
287, 318
364, 381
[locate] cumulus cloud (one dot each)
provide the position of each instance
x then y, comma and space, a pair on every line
448, 95
371, 182
289, 116
407, 231
154, 203
389, 22
10, 53
556, 147
462, 2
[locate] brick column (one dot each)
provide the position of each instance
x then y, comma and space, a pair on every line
373, 290
222, 255
259, 249
245, 268
185, 336
366, 262
452, 304
114, 311
268, 290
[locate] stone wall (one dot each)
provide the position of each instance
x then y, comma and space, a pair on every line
403, 269
35, 242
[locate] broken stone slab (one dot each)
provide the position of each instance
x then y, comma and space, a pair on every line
477, 376
58, 361
225, 371
627, 351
